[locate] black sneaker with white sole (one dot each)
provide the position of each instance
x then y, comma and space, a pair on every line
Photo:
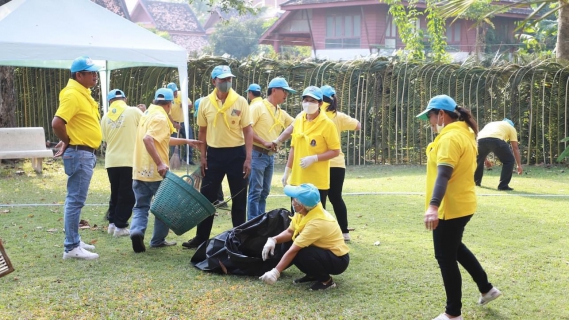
137, 242
323, 286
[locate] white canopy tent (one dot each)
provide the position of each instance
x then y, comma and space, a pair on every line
52, 33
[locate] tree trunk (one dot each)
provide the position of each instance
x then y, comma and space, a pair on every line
7, 98
563, 31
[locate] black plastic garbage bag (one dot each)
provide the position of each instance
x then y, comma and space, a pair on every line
238, 251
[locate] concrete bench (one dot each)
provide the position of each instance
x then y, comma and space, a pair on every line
20, 143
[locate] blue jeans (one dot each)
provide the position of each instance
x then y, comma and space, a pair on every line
183, 146
259, 183
78, 167
143, 192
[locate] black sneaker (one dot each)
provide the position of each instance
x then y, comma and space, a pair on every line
306, 278
506, 189
192, 243
137, 242
323, 286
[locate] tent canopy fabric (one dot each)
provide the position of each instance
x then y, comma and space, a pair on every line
52, 33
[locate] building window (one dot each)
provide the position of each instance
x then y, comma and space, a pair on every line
343, 30
453, 33
299, 22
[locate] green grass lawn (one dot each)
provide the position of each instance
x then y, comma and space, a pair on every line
520, 238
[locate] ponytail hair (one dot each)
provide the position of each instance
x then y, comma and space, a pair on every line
463, 114
332, 103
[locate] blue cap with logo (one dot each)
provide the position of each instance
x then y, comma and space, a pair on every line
328, 91
115, 93
306, 193
440, 102
510, 122
83, 63
281, 83
221, 72
254, 87
172, 86
164, 94
313, 92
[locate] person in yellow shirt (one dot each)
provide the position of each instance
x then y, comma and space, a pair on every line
225, 130
314, 142
150, 163
177, 118
343, 122
450, 200
269, 120
76, 124
254, 93
494, 138
119, 127
317, 249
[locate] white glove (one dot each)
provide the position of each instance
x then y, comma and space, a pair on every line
285, 176
277, 142
270, 277
269, 248
307, 161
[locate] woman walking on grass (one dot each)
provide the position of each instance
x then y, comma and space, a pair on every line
451, 199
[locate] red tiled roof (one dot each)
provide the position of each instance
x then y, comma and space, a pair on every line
191, 43
116, 6
170, 16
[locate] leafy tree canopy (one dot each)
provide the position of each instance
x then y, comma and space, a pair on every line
237, 38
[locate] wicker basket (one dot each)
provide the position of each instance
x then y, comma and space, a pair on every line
179, 205
5, 264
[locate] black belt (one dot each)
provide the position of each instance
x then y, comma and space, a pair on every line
82, 148
263, 150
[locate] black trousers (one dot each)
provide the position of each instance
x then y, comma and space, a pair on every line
122, 197
502, 150
323, 195
223, 162
447, 240
320, 263
337, 176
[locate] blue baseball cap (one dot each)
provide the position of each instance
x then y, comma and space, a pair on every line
115, 93
281, 83
328, 91
172, 86
509, 121
164, 94
313, 92
440, 102
197, 103
83, 63
221, 72
254, 87
307, 194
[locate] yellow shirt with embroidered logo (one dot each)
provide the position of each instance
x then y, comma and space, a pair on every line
177, 112
322, 233
311, 138
154, 123
120, 135
343, 122
455, 147
224, 130
263, 115
81, 113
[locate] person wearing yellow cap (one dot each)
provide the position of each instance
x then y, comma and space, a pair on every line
450, 200
317, 249
343, 122
269, 120
225, 129
177, 118
314, 142
150, 164
119, 128
494, 138
77, 124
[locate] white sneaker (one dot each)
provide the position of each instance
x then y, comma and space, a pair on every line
346, 237
86, 246
121, 232
111, 228
489, 296
443, 316
80, 253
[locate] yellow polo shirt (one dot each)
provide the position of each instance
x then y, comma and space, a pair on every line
343, 122
268, 121
255, 100
310, 138
177, 112
499, 129
154, 123
120, 136
81, 113
320, 233
220, 135
455, 146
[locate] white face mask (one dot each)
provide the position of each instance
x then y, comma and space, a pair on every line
309, 107
438, 126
